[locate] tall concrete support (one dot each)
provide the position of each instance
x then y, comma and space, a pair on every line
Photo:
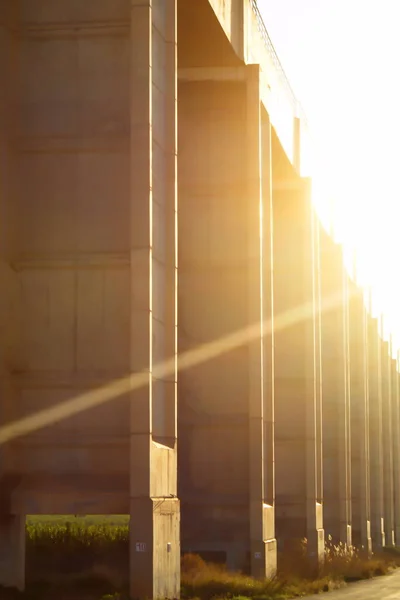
335, 396
396, 446
268, 403
12, 524
297, 393
226, 402
154, 507
359, 394
375, 433
387, 442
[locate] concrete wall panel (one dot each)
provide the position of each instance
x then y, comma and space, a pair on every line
215, 387
102, 320
60, 459
216, 290
48, 11
47, 203
48, 313
102, 203
108, 419
230, 442
81, 87
48, 88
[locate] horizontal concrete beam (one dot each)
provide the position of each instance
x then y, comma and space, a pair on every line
213, 74
71, 260
286, 185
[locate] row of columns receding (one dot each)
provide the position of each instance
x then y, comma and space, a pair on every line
292, 431
322, 398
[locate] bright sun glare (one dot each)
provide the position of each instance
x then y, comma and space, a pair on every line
341, 58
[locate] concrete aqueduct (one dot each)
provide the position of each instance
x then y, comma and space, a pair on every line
288, 423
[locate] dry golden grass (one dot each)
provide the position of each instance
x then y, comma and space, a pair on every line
207, 581
295, 578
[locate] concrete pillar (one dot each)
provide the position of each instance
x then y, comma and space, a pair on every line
297, 377
154, 507
12, 526
335, 398
261, 400
268, 476
375, 433
387, 440
360, 467
396, 447
226, 404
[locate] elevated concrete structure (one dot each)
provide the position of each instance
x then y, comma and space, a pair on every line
94, 116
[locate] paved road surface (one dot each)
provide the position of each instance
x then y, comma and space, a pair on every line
381, 588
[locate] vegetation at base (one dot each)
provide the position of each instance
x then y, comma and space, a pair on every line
296, 577
86, 558
88, 551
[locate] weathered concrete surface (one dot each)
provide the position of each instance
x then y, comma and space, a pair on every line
90, 152
297, 365
237, 35
335, 392
88, 268
360, 412
225, 404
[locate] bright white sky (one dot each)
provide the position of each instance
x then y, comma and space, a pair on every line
342, 58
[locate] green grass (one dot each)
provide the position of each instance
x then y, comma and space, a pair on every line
108, 520
71, 553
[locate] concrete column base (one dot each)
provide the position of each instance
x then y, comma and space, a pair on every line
346, 534
362, 538
397, 536
339, 532
299, 541
366, 548
316, 548
264, 559
389, 538
378, 542
155, 548
378, 535
12, 551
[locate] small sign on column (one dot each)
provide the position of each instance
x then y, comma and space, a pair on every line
140, 547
